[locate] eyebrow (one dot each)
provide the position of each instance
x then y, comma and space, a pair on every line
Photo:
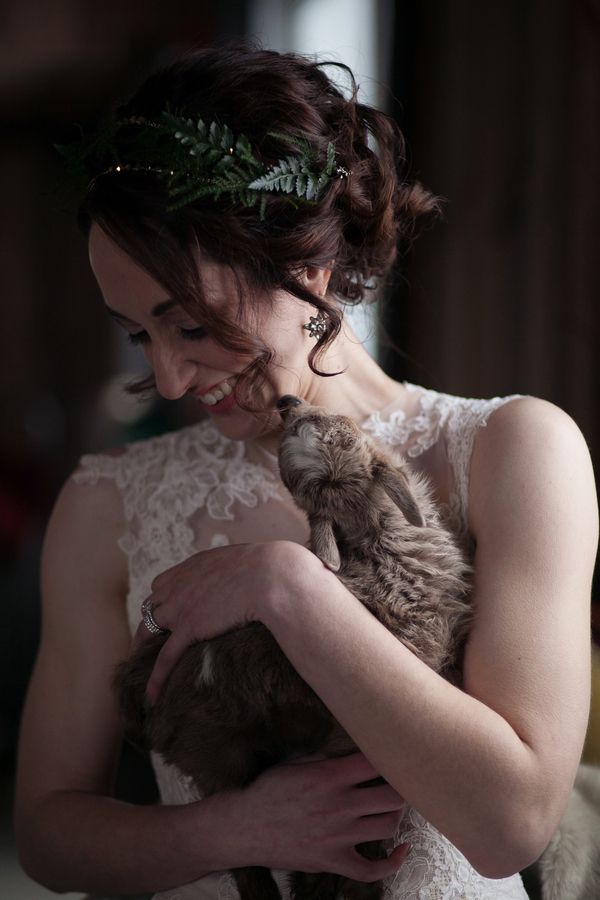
159, 310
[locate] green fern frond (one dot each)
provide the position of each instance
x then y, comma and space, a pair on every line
199, 160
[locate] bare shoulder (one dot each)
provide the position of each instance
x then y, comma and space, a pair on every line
531, 455
528, 423
81, 548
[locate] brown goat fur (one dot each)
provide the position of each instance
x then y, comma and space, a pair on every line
234, 706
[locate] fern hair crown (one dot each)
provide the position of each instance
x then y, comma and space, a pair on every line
199, 160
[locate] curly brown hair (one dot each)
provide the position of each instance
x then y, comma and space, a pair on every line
354, 229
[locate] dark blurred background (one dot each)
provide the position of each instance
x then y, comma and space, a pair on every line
500, 104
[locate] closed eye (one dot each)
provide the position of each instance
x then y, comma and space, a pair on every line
186, 334
140, 337
192, 334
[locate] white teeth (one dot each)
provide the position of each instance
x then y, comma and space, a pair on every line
224, 389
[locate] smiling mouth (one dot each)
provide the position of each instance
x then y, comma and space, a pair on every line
217, 393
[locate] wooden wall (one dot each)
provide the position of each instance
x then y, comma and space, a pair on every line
501, 103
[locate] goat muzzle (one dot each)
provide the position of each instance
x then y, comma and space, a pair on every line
285, 403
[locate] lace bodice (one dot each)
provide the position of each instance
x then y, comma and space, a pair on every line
194, 489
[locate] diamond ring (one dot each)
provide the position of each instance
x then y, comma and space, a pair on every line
153, 628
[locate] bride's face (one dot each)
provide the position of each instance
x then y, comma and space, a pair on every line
186, 359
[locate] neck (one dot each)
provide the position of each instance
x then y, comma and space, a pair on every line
360, 389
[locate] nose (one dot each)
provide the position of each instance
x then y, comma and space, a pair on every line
174, 372
285, 403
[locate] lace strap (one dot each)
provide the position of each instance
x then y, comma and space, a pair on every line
94, 466
463, 421
456, 420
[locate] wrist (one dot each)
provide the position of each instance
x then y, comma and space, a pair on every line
299, 590
296, 577
220, 838
213, 839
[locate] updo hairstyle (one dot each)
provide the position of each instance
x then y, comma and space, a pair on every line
354, 228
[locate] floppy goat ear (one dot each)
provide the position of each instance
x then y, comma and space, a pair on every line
323, 542
396, 487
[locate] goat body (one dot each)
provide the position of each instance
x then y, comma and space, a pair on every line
569, 868
234, 706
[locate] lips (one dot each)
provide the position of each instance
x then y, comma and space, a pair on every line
218, 392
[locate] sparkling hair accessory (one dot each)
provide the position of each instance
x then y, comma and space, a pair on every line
199, 160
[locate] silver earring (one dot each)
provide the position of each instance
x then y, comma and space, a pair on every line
317, 325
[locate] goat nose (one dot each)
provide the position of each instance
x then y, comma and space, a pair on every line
286, 402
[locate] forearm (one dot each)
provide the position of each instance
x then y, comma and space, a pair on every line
75, 841
308, 815
457, 761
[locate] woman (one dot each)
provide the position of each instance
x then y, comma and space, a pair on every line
232, 288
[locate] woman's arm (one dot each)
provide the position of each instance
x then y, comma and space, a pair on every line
72, 835
492, 766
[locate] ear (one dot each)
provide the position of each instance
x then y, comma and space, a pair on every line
323, 543
396, 487
317, 280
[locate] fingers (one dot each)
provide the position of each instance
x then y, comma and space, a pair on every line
143, 633
342, 780
373, 869
140, 637
355, 770
356, 767
166, 660
163, 578
398, 855
312, 813
308, 758
379, 826
170, 653
380, 799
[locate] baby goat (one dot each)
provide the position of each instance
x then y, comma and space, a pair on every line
234, 706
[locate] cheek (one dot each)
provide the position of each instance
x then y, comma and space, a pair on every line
281, 328
147, 351
291, 347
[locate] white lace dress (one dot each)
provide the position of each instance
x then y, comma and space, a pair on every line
194, 489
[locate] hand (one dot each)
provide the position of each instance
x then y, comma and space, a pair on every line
309, 816
216, 591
